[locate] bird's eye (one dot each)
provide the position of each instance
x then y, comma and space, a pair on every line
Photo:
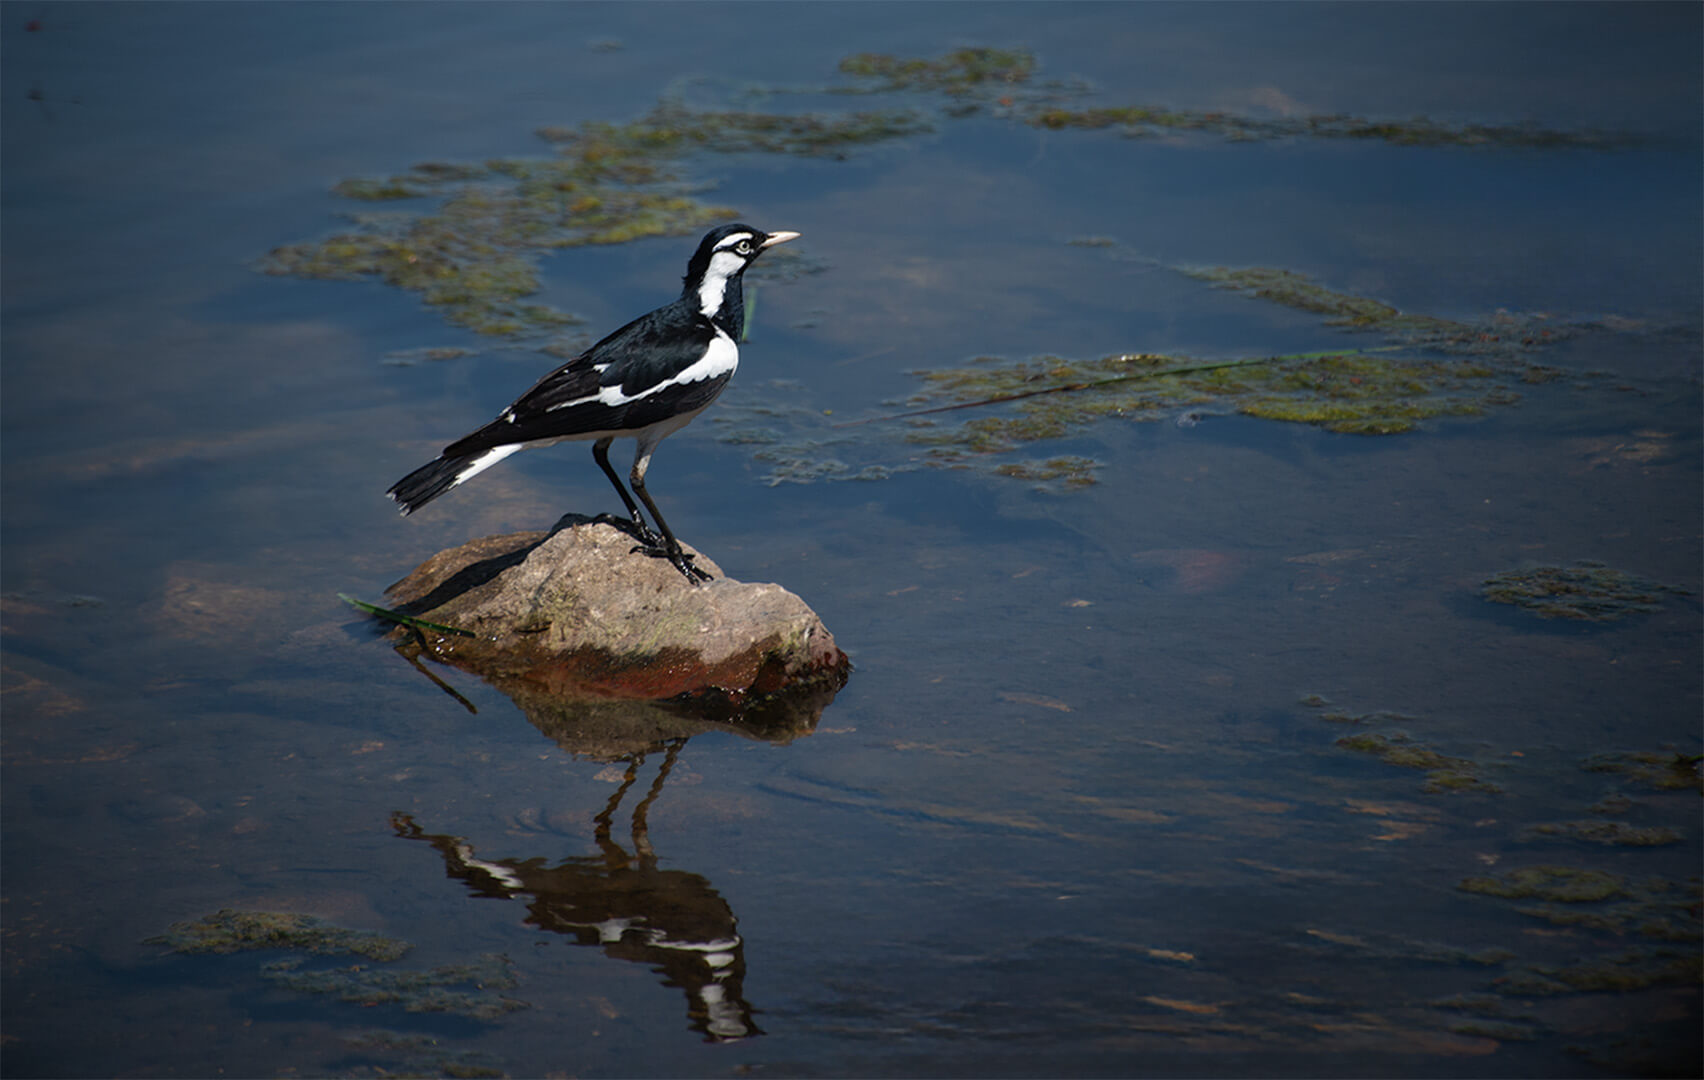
743, 247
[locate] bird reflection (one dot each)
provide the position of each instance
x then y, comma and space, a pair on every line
671, 920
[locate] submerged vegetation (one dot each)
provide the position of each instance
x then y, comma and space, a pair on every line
1443, 772
1557, 884
469, 989
230, 931
958, 73
1149, 120
475, 253
1423, 367
1585, 592
1658, 770
1611, 833
469, 237
462, 989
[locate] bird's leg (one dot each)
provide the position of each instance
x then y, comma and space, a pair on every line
669, 548
600, 453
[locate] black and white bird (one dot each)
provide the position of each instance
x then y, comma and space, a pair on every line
645, 381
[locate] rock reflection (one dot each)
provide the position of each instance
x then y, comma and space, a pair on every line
620, 901
608, 727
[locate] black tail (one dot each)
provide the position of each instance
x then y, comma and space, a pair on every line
429, 481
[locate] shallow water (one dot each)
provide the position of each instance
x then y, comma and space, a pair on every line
1080, 809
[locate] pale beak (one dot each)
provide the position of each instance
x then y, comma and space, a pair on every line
778, 238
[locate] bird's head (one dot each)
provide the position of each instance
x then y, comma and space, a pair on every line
722, 255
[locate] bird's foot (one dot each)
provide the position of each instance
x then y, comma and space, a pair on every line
679, 559
633, 527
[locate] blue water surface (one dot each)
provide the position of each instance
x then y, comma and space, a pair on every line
1080, 809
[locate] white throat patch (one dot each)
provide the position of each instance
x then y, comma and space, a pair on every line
723, 265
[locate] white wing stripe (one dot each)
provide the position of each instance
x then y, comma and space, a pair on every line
720, 359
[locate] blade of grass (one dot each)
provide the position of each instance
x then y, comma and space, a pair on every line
401, 619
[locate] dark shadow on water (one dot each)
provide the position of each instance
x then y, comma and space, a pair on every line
672, 921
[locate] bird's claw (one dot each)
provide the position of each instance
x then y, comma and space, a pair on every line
679, 559
633, 527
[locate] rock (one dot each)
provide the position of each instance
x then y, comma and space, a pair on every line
574, 614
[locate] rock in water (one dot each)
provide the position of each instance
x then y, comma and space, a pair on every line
575, 611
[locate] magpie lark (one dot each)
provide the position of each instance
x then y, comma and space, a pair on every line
645, 381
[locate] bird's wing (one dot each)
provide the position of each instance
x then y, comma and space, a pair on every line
654, 367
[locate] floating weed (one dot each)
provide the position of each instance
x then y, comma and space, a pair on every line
1148, 120
420, 1055
1488, 1005
475, 255
1584, 898
433, 990
1010, 77
1612, 833
1394, 947
1056, 473
958, 73
1501, 1030
1586, 592
1662, 770
1561, 884
804, 463
230, 930
426, 354
439, 989
1632, 969
378, 190
1443, 772
1298, 291
1427, 368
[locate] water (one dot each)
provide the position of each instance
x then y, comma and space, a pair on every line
1071, 814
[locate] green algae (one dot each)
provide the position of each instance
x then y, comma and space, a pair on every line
807, 463
1349, 391
958, 73
1560, 884
1501, 1030
420, 1055
1666, 770
1622, 972
1150, 120
1292, 289
1055, 473
1010, 75
474, 249
435, 990
1585, 592
1396, 947
1611, 833
1486, 1005
1584, 898
1425, 368
475, 254
230, 931
468, 989
1443, 772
